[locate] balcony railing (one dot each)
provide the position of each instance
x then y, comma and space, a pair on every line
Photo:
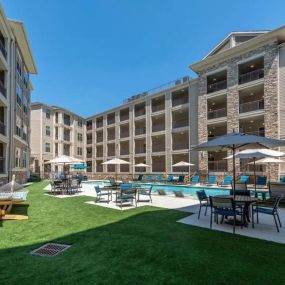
139, 112
180, 124
2, 165
252, 75
3, 49
158, 127
140, 149
219, 113
89, 127
159, 107
211, 137
246, 167
2, 128
180, 145
3, 89
179, 101
124, 117
157, 147
99, 124
251, 106
218, 165
260, 133
140, 131
217, 86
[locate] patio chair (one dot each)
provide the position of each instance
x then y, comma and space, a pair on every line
161, 192
240, 189
276, 189
178, 193
181, 179
102, 193
73, 186
144, 192
140, 178
195, 179
273, 211
282, 179
126, 194
261, 180
224, 207
227, 181
212, 180
56, 187
169, 179
244, 179
203, 200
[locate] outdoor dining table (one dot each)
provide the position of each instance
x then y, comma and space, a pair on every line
242, 199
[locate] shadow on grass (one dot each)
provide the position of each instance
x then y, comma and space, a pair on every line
146, 246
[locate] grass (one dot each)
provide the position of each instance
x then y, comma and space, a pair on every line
139, 246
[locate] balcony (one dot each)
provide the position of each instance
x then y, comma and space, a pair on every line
99, 139
158, 164
124, 131
217, 82
99, 165
158, 143
158, 127
111, 134
111, 119
140, 131
217, 113
252, 126
158, 104
140, 110
2, 165
124, 115
180, 97
3, 89
246, 166
180, 141
2, 129
180, 123
89, 153
99, 122
180, 157
3, 49
218, 166
252, 75
140, 146
180, 118
260, 133
66, 138
89, 125
99, 151
251, 106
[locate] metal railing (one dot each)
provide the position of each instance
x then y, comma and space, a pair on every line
158, 107
99, 139
219, 113
111, 121
124, 117
140, 131
180, 124
246, 167
2, 165
158, 127
2, 128
260, 133
3, 49
179, 101
3, 89
99, 124
111, 137
251, 106
217, 86
218, 165
252, 75
140, 112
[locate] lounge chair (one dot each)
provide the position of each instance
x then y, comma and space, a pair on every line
273, 211
178, 194
145, 192
159, 178
261, 180
169, 179
203, 200
212, 180
240, 189
195, 179
161, 192
102, 193
149, 179
227, 181
244, 179
282, 179
181, 179
140, 178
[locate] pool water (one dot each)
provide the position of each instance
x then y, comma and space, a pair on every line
101, 183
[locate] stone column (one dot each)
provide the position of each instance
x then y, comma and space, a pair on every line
168, 135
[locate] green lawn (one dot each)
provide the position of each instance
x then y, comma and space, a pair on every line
139, 246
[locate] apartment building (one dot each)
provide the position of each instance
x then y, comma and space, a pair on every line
241, 88
55, 131
16, 63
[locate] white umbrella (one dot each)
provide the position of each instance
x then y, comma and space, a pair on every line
268, 161
183, 163
234, 141
141, 165
64, 159
116, 161
11, 186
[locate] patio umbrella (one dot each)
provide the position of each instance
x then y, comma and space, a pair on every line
268, 161
140, 165
116, 161
256, 154
11, 186
234, 141
183, 164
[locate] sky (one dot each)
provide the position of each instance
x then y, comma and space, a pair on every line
93, 54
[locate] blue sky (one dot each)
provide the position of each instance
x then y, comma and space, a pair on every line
93, 54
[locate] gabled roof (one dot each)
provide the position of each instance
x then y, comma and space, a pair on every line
23, 43
229, 41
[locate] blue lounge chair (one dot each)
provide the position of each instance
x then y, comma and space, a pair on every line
227, 181
195, 179
149, 179
159, 178
181, 179
282, 179
261, 180
212, 180
170, 178
244, 179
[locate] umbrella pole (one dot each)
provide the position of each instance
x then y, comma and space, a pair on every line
234, 171
254, 174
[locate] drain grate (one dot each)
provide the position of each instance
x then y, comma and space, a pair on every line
50, 249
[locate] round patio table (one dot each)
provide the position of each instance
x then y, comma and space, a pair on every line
246, 200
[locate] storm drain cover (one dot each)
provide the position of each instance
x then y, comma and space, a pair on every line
50, 249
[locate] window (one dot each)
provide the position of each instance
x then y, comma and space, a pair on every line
17, 158
47, 147
24, 159
56, 117
48, 131
47, 114
79, 123
79, 151
18, 131
79, 137
18, 95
